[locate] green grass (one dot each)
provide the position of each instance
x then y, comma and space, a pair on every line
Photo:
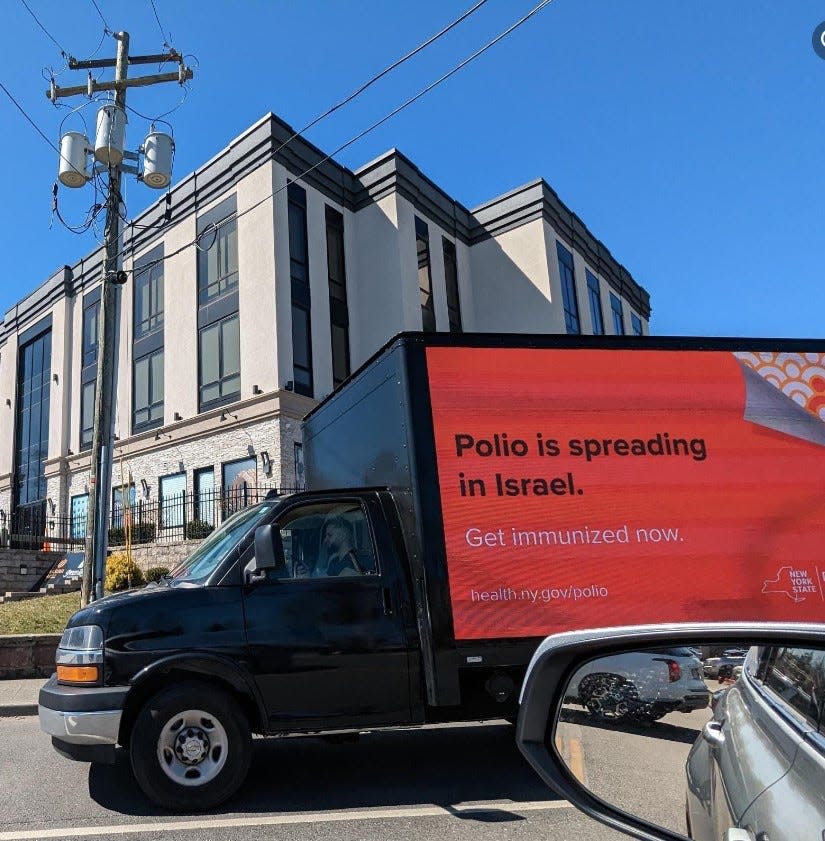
43, 615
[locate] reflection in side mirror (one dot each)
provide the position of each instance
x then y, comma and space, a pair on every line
697, 737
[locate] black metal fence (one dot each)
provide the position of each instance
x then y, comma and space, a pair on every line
181, 516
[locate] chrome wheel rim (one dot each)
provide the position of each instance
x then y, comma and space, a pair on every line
192, 748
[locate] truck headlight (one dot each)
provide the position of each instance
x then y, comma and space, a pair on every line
79, 658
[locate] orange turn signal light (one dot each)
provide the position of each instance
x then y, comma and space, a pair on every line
78, 674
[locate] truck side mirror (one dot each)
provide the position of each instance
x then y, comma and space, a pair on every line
269, 550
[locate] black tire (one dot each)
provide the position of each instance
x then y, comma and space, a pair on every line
608, 698
172, 728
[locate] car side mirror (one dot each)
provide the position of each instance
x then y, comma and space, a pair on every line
269, 552
636, 727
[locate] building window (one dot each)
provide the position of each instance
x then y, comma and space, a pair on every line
239, 484
618, 314
147, 345
300, 476
32, 445
204, 485
338, 310
568, 290
79, 507
219, 333
124, 499
218, 254
425, 279
219, 371
91, 328
172, 500
594, 294
88, 371
451, 278
299, 282
636, 324
147, 387
149, 296
87, 414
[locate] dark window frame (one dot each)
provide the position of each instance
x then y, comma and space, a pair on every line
149, 273
163, 508
303, 380
636, 325
88, 370
151, 422
338, 305
570, 299
451, 284
33, 402
148, 343
217, 309
617, 313
425, 292
594, 296
223, 377
201, 504
214, 228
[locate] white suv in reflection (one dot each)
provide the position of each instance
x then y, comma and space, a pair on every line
641, 685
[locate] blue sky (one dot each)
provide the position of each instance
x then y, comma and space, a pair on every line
689, 137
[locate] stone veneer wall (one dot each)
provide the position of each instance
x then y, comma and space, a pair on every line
166, 555
37, 564
212, 450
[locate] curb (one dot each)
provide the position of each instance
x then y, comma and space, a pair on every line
18, 710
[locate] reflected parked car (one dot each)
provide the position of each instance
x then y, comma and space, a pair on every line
722, 668
759, 764
641, 686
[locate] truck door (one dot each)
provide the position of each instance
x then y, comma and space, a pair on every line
326, 634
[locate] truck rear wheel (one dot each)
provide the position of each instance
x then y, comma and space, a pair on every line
190, 747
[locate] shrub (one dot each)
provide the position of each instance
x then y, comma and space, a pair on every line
198, 529
141, 533
121, 573
156, 573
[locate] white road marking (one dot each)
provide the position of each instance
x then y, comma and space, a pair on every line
285, 820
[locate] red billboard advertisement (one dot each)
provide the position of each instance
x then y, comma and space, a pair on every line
589, 488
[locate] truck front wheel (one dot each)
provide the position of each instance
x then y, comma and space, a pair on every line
190, 747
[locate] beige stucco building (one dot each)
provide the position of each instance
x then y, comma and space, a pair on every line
269, 275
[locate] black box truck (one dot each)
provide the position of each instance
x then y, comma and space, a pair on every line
466, 496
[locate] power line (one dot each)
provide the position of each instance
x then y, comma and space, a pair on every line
195, 242
381, 74
108, 29
160, 26
31, 121
48, 34
94, 210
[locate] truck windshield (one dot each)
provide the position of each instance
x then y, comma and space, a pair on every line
206, 558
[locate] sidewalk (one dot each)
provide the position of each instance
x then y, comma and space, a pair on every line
19, 697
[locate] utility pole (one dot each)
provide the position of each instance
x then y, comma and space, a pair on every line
110, 155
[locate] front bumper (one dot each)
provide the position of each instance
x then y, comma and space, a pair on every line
84, 722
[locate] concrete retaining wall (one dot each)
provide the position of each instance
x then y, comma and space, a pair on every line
27, 656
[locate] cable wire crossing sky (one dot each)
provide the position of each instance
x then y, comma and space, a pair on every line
695, 158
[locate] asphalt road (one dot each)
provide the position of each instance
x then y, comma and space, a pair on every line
639, 768
447, 783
